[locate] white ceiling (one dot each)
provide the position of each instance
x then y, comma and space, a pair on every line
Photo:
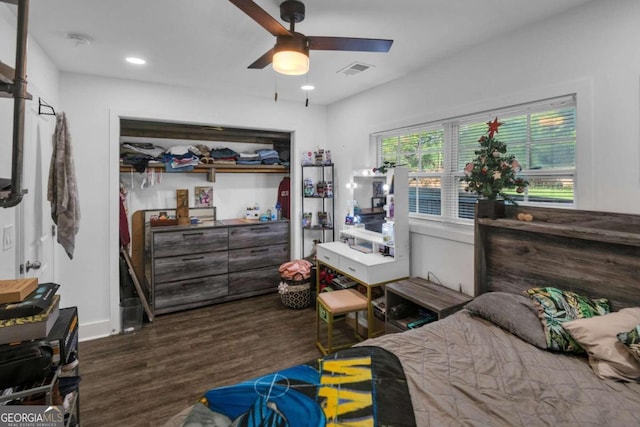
210, 43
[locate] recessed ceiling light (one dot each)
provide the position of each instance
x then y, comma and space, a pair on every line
136, 61
308, 87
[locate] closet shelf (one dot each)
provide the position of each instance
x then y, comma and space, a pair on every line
611, 232
219, 168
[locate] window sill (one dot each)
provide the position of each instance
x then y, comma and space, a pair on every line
462, 233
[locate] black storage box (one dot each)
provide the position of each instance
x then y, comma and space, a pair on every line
63, 337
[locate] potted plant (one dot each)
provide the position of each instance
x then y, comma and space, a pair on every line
491, 173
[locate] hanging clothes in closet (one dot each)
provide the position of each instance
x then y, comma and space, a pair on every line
125, 236
284, 197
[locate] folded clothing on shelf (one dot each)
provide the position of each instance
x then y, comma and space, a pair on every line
224, 153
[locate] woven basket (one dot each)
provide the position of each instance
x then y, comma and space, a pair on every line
295, 293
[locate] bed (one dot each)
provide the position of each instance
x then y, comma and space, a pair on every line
538, 346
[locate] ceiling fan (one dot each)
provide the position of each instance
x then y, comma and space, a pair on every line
290, 55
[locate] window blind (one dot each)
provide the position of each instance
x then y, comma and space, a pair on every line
541, 134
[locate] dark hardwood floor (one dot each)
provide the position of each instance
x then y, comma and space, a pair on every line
145, 378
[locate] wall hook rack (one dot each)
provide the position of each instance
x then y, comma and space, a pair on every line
45, 109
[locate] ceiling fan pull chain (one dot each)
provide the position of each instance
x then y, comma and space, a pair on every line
306, 92
275, 97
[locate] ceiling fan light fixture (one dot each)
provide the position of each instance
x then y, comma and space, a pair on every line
291, 56
291, 63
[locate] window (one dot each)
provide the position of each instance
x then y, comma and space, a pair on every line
542, 136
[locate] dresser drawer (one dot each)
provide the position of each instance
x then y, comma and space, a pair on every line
354, 269
258, 235
256, 257
328, 257
255, 281
190, 293
189, 240
174, 268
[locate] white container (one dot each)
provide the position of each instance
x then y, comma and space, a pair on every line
252, 213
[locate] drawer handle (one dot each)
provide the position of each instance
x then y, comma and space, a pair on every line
194, 283
193, 259
192, 234
259, 228
352, 269
253, 251
328, 258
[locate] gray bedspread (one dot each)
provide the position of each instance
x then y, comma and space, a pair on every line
466, 371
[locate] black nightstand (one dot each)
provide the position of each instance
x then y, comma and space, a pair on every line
416, 301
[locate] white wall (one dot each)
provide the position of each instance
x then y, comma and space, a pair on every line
42, 81
93, 106
592, 51
232, 192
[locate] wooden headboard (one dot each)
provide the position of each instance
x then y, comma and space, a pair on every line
590, 253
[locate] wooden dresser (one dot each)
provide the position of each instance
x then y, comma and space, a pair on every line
188, 267
193, 266
255, 253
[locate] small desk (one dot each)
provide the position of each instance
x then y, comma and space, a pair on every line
370, 270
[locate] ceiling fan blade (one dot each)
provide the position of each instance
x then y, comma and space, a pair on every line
259, 15
264, 60
349, 43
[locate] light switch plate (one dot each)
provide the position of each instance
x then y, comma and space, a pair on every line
8, 237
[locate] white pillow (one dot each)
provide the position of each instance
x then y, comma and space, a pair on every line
608, 357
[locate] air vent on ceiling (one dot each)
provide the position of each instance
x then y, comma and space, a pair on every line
355, 68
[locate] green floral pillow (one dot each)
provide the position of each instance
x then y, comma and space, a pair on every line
556, 306
631, 340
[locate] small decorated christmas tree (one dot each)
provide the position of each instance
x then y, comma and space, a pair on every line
493, 170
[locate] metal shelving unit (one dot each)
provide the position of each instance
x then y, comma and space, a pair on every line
317, 196
45, 386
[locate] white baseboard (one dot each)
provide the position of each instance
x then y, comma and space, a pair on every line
95, 330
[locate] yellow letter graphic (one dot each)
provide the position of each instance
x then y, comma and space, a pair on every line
340, 400
346, 371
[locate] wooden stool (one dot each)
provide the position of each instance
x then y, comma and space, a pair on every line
335, 303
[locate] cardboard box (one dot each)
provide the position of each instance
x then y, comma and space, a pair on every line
16, 290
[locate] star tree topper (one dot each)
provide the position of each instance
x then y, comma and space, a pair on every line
493, 127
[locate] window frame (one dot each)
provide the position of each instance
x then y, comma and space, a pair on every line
450, 175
